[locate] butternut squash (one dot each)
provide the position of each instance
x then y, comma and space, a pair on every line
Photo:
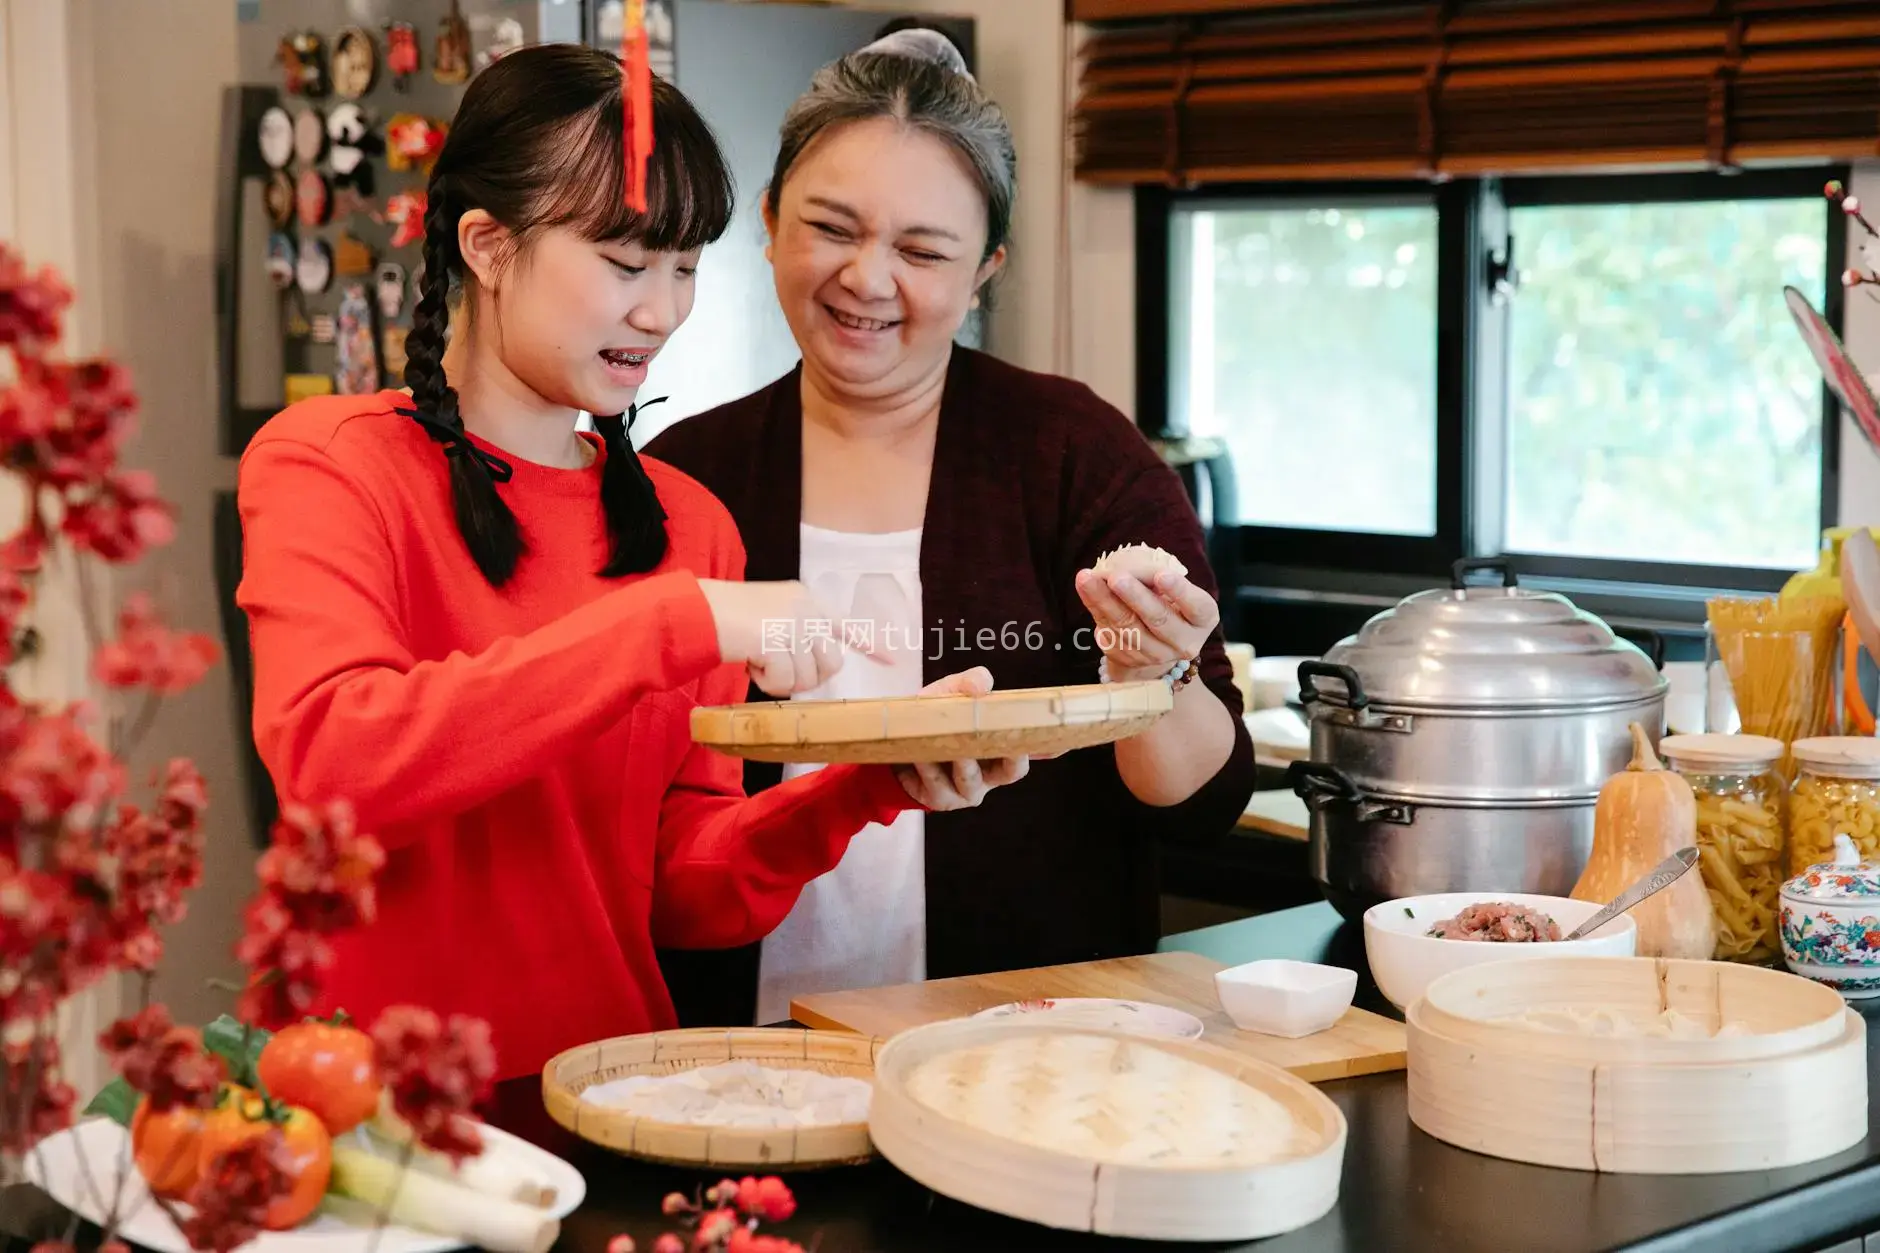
1646, 813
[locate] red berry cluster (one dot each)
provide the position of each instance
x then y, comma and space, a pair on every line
726, 1220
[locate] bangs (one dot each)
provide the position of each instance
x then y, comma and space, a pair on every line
689, 193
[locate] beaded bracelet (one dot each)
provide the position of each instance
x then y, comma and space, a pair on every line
1179, 675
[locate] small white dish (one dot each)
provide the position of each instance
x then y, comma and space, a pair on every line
1137, 1017
1285, 998
1404, 958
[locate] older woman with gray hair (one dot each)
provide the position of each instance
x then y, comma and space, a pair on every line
955, 505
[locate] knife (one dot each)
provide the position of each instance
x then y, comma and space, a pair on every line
1662, 876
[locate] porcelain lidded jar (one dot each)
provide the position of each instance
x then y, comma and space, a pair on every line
1830, 922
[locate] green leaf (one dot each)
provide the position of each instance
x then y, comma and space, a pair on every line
117, 1101
237, 1044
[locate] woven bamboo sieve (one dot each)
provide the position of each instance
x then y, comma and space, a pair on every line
1033, 721
569, 1074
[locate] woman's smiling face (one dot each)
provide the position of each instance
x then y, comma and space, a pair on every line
878, 245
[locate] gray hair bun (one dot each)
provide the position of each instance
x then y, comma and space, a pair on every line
921, 45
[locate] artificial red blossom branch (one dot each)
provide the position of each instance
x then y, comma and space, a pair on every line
163, 1061
1854, 276
437, 1072
316, 881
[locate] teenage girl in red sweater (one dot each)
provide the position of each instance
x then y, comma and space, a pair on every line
487, 630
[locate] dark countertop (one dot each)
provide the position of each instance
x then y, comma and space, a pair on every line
1402, 1191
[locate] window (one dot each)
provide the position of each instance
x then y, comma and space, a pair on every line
1596, 375
1304, 329
1660, 404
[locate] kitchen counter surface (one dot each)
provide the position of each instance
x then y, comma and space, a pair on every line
1402, 1191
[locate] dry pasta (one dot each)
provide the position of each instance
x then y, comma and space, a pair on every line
1822, 808
1740, 849
1780, 656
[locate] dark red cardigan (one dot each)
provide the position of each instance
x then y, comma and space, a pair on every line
1034, 477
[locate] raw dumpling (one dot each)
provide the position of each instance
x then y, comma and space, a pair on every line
1140, 560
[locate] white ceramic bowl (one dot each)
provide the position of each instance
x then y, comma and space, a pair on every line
1285, 998
1404, 959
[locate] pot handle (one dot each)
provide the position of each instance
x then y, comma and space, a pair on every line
1353, 697
1459, 572
1316, 780
1650, 641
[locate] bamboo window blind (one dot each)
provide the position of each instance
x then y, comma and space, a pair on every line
1195, 91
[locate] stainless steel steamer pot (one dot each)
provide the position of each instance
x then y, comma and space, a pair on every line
1460, 739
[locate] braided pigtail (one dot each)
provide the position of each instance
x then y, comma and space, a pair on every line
636, 521
488, 527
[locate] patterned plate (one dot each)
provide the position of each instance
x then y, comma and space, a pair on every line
1138, 1017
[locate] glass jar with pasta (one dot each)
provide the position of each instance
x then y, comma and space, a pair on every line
1741, 835
1837, 792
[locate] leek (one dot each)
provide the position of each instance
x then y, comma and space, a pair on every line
424, 1201
496, 1171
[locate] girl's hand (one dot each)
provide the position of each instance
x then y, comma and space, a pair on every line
959, 784
1143, 630
782, 634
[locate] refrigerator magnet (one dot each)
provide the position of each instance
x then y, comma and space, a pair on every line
451, 62
298, 387
325, 329
280, 261
401, 53
413, 141
278, 198
352, 257
312, 199
309, 136
314, 271
275, 137
355, 62
302, 58
390, 283
405, 211
358, 367
351, 141
393, 351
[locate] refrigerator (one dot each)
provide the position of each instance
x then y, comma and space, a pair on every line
314, 275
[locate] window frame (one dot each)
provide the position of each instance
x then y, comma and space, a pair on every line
1471, 397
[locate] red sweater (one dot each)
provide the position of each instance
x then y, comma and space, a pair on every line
524, 754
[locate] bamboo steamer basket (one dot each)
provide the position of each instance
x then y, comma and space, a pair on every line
567, 1075
1793, 1089
1031, 720
1071, 1191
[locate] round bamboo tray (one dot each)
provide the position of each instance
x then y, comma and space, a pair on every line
569, 1074
1793, 1089
1031, 720
1008, 1172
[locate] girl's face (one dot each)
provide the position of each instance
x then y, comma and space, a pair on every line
878, 245
575, 321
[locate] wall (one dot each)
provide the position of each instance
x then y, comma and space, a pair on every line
155, 77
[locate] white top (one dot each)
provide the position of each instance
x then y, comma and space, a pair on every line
864, 924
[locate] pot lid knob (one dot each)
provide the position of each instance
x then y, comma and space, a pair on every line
1846, 877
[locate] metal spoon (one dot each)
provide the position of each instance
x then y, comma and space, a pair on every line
1662, 876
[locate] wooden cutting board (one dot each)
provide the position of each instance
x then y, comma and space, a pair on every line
1360, 1043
